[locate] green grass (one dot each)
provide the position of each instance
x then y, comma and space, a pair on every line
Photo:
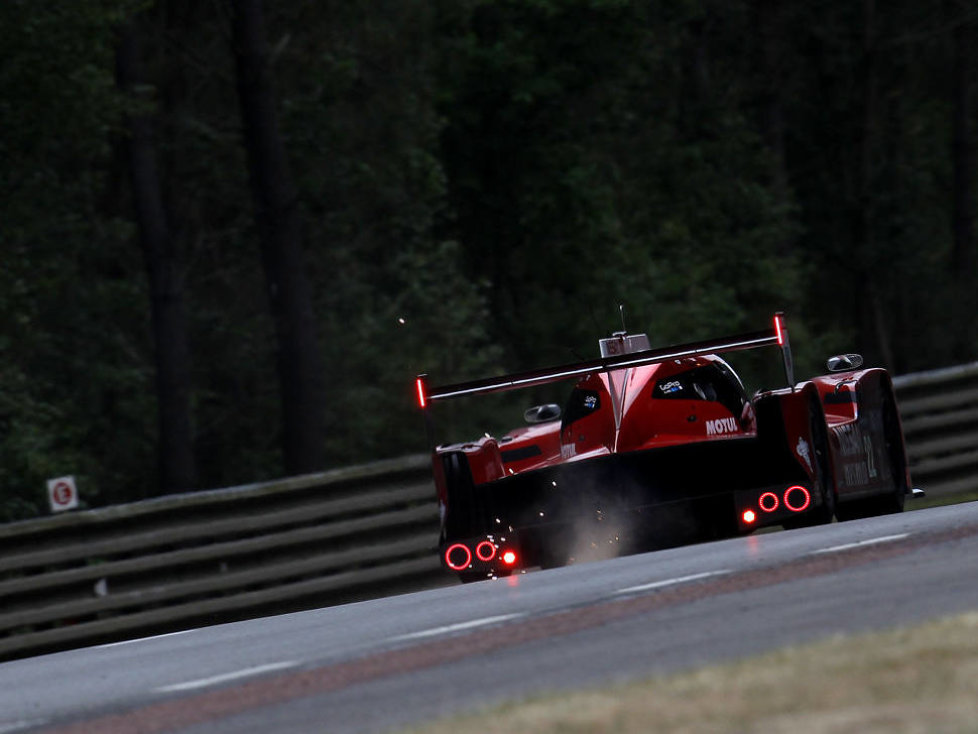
920, 679
941, 500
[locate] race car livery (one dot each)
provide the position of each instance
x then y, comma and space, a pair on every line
656, 447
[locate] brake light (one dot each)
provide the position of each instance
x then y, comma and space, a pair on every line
749, 517
797, 499
779, 328
422, 398
458, 557
485, 551
509, 557
768, 502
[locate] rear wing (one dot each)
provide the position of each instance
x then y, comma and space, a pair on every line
777, 335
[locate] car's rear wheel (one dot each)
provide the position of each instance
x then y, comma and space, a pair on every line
468, 577
894, 455
893, 498
823, 513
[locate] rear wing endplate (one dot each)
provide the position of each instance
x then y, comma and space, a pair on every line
775, 336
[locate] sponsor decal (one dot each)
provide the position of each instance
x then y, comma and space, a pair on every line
671, 387
870, 457
804, 453
856, 474
720, 426
856, 446
850, 439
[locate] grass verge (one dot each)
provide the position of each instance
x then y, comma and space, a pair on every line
919, 679
943, 499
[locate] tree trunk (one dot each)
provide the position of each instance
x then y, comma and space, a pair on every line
964, 255
772, 30
279, 229
770, 22
177, 468
964, 258
872, 325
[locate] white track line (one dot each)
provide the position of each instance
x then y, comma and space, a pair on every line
447, 629
862, 543
121, 643
226, 677
672, 582
8, 727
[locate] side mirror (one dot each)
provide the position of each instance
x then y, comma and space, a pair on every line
542, 413
844, 362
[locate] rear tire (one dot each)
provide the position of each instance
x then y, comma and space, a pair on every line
892, 500
824, 512
470, 577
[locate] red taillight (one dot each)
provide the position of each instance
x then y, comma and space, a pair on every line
485, 551
749, 516
797, 499
422, 398
768, 502
458, 557
779, 328
509, 557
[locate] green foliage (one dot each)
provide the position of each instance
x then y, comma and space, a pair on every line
392, 297
73, 394
482, 183
582, 184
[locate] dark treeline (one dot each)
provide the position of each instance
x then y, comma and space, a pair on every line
232, 232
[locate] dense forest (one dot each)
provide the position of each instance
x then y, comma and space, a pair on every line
233, 232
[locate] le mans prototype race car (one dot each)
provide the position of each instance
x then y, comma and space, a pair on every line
658, 447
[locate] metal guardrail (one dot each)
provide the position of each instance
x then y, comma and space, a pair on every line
369, 531
216, 556
939, 410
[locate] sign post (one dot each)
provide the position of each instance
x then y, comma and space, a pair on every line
62, 494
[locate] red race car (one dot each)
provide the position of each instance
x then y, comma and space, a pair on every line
658, 447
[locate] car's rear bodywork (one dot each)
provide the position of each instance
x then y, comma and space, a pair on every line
658, 447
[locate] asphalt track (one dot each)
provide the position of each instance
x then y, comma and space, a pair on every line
384, 664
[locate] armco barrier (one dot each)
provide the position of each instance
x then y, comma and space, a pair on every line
214, 556
940, 422
361, 532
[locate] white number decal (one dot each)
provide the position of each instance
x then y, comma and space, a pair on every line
870, 456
